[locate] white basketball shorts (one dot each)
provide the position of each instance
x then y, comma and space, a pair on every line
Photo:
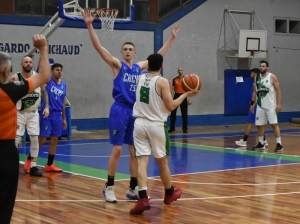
264, 115
30, 120
150, 136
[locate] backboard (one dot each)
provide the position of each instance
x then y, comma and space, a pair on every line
252, 43
71, 9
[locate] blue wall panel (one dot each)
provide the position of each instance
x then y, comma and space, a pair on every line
237, 95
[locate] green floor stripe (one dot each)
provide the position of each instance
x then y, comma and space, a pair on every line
236, 151
84, 170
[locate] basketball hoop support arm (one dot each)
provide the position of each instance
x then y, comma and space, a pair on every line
53, 24
47, 30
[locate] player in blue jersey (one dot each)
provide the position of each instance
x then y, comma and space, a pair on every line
52, 125
121, 121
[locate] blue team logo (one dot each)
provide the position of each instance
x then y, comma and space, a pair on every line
46, 128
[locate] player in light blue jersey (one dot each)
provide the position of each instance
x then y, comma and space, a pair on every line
52, 125
121, 121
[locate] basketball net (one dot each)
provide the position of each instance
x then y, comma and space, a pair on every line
254, 60
107, 18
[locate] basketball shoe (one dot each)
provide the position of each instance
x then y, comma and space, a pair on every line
27, 164
133, 194
278, 148
52, 168
34, 171
259, 146
140, 206
241, 142
170, 198
109, 194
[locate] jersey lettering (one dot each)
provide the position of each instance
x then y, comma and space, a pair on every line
57, 91
129, 78
144, 94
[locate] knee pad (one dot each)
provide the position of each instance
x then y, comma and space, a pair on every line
18, 140
34, 146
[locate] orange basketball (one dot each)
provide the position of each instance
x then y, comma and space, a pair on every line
191, 82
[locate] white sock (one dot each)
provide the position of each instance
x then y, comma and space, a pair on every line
261, 139
278, 140
33, 164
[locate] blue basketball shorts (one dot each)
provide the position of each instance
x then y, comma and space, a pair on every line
251, 116
52, 125
121, 123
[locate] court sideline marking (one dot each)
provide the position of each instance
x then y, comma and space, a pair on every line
181, 199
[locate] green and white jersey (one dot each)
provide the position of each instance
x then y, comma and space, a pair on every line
266, 94
31, 101
149, 103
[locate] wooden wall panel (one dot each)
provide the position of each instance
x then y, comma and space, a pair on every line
7, 7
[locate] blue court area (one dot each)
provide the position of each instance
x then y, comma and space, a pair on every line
90, 157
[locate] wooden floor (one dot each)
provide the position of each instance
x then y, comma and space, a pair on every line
259, 195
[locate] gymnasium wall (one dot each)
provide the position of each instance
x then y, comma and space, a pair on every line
199, 48
88, 77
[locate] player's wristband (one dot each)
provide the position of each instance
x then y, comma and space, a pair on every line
252, 102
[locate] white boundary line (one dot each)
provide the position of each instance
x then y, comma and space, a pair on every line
181, 199
85, 156
90, 143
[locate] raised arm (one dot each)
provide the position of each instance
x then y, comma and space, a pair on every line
278, 92
14, 78
164, 49
43, 77
112, 61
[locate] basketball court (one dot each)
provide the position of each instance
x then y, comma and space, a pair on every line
220, 181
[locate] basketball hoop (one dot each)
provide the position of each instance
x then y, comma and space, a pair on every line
107, 18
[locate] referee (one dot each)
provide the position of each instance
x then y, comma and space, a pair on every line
178, 90
10, 93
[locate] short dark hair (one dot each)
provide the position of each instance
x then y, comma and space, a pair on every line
263, 61
130, 43
255, 70
55, 65
155, 62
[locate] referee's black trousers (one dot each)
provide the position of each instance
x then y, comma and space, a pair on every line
9, 176
184, 114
